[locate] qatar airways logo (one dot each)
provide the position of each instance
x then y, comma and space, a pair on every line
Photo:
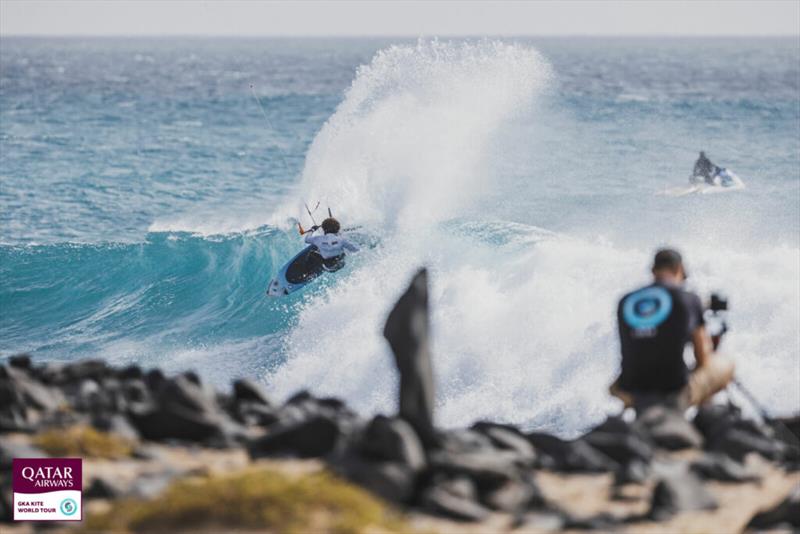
49, 476
47, 489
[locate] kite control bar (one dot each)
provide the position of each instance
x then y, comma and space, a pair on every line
311, 214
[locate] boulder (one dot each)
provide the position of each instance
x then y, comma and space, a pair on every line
508, 438
679, 492
392, 440
135, 391
488, 470
393, 481
669, 429
311, 438
785, 515
18, 388
61, 373
10, 449
633, 472
454, 499
245, 390
463, 440
407, 331
129, 372
21, 361
726, 431
183, 410
716, 466
116, 424
570, 456
515, 496
256, 414
103, 488
621, 448
175, 423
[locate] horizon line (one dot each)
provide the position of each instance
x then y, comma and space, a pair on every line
399, 36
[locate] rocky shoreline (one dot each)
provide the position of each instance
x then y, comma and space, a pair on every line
143, 434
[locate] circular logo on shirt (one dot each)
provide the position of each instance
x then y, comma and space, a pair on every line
647, 308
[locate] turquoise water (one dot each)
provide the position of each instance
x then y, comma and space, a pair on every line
145, 202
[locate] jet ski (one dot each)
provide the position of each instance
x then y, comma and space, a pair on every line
722, 181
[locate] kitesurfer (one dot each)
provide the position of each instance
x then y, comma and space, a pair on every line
703, 168
330, 247
655, 324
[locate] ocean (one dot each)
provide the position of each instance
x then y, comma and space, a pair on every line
146, 201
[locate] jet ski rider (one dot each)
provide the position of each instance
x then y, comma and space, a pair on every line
330, 246
703, 168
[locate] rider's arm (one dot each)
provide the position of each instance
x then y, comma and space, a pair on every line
310, 235
347, 245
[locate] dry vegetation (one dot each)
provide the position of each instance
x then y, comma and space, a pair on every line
260, 499
84, 442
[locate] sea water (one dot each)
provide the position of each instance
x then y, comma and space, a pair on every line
146, 200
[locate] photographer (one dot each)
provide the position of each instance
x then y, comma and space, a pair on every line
655, 323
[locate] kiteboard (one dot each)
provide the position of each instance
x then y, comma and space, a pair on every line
296, 273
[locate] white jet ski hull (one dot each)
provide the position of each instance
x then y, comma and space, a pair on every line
724, 181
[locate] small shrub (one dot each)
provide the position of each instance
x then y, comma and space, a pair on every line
256, 499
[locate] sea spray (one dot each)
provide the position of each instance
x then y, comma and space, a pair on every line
409, 144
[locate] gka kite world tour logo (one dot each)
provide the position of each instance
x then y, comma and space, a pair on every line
47, 489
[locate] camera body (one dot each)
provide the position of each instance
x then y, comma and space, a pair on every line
716, 317
719, 302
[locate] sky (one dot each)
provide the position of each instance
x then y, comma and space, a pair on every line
399, 18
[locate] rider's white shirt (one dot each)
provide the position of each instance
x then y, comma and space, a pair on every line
331, 245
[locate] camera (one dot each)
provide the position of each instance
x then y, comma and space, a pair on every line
716, 319
719, 302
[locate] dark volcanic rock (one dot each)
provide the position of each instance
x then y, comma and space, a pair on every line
716, 466
392, 440
154, 379
726, 431
312, 438
508, 438
135, 391
677, 493
669, 429
488, 469
256, 413
131, 371
454, 499
633, 472
18, 388
463, 440
515, 496
407, 331
186, 411
620, 441
103, 488
116, 424
571, 456
14, 449
176, 423
393, 481
785, 515
22, 361
63, 373
249, 391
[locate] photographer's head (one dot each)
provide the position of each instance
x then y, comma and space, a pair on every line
668, 266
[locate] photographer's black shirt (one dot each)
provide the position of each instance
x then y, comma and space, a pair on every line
655, 323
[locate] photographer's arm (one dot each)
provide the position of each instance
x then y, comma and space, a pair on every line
702, 346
